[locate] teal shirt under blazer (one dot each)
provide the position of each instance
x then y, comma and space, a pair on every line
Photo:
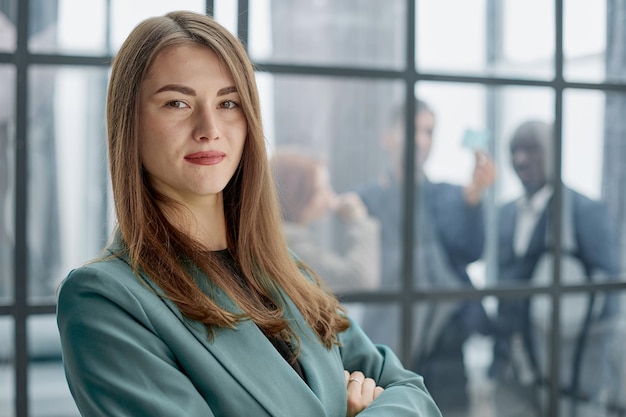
128, 352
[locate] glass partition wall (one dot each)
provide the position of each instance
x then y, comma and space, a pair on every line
406, 103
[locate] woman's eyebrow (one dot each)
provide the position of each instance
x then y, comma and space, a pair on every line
179, 88
191, 92
227, 90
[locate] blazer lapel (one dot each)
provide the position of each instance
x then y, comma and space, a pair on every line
254, 362
319, 364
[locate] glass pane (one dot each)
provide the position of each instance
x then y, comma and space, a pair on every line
350, 33
7, 181
611, 341
591, 363
48, 393
455, 110
486, 37
329, 231
615, 41
79, 27
125, 15
593, 40
449, 229
356, 311
442, 352
382, 324
463, 131
68, 27
7, 368
8, 17
322, 132
515, 241
593, 217
478, 356
225, 12
519, 370
591, 358
67, 216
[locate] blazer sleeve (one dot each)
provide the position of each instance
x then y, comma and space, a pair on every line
461, 226
115, 362
405, 394
595, 233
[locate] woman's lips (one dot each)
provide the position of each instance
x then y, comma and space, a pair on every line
205, 158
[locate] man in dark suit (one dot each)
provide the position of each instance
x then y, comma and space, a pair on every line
449, 235
521, 363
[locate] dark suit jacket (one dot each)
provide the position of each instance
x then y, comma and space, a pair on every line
129, 352
596, 246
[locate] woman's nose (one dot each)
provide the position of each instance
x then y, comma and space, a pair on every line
207, 125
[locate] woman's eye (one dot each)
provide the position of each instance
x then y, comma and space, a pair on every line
177, 104
228, 104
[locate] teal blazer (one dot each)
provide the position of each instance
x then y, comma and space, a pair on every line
129, 352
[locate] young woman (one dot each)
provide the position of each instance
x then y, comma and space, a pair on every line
306, 197
197, 308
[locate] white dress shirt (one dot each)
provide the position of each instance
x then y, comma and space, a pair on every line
528, 214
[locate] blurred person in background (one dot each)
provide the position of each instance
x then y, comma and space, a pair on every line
522, 327
306, 197
449, 234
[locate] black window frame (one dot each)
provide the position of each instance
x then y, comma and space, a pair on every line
21, 59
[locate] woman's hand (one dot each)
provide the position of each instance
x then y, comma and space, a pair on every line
361, 392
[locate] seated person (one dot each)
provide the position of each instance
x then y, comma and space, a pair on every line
306, 196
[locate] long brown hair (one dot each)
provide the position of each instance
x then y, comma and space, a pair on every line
255, 237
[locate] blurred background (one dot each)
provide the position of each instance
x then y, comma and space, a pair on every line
331, 74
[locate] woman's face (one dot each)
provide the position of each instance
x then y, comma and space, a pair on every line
191, 126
